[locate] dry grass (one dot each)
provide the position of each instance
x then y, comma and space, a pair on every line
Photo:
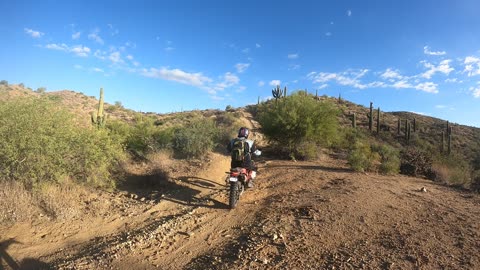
59, 202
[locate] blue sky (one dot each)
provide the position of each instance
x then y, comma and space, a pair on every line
165, 56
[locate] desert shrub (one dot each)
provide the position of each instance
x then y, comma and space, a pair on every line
451, 170
195, 138
299, 119
306, 150
41, 90
4, 82
41, 142
361, 157
389, 158
415, 162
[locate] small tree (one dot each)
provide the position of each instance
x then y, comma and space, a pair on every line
41, 90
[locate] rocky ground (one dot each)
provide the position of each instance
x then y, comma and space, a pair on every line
299, 215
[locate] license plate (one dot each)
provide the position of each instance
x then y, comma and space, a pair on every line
233, 179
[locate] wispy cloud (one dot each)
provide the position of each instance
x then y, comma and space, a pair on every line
349, 13
391, 74
328, 34
115, 57
258, 45
169, 49
261, 83
428, 87
99, 70
292, 56
294, 67
241, 67
441, 107
246, 50
227, 80
76, 35
177, 75
426, 50
472, 66
33, 33
78, 50
95, 36
348, 78
78, 66
113, 31
475, 91
275, 82
443, 67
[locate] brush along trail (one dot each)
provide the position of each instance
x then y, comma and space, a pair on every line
299, 215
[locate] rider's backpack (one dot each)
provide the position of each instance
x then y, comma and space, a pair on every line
238, 150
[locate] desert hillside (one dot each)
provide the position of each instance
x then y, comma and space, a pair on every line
300, 215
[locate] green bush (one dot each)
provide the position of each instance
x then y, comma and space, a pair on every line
389, 158
43, 143
195, 138
298, 120
361, 157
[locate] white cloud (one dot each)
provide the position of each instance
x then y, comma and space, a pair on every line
80, 50
440, 106
275, 82
472, 66
33, 33
428, 87
169, 49
323, 86
246, 50
177, 75
58, 47
94, 35
293, 56
261, 83
453, 80
475, 91
240, 89
258, 45
349, 13
348, 78
100, 54
402, 84
96, 69
294, 67
76, 35
130, 57
241, 67
78, 67
113, 31
135, 63
443, 67
426, 50
391, 74
328, 34
115, 57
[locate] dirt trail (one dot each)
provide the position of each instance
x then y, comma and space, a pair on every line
300, 215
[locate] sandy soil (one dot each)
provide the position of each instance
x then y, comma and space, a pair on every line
300, 215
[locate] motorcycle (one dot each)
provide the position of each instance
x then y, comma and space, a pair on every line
238, 179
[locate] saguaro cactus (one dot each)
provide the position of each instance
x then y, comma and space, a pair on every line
354, 120
370, 117
285, 92
378, 120
277, 92
414, 125
409, 132
449, 132
398, 126
99, 118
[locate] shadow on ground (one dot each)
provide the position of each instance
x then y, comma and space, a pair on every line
183, 190
8, 262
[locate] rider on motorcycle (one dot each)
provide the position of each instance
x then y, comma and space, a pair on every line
250, 148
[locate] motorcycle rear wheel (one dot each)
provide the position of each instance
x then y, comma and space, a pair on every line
234, 194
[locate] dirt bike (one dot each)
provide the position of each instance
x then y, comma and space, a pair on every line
238, 180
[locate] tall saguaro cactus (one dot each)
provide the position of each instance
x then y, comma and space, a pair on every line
370, 117
378, 120
354, 120
398, 126
277, 92
99, 118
